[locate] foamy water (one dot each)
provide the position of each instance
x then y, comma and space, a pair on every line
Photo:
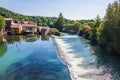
76, 64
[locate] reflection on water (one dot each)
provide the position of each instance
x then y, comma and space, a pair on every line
3, 48
31, 38
45, 37
19, 38
30, 58
87, 63
4, 40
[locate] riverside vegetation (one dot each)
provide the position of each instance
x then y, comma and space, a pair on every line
103, 32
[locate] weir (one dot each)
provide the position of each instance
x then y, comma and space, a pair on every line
83, 61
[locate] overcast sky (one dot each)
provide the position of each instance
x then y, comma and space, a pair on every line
71, 9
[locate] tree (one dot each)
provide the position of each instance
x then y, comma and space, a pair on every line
72, 27
3, 49
110, 35
93, 32
2, 23
60, 22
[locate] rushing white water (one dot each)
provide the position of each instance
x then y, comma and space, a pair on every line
76, 63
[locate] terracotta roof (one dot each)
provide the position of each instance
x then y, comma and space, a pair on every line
28, 25
8, 19
15, 25
30, 22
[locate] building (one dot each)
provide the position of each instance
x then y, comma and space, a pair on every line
8, 22
20, 28
44, 30
29, 27
26, 28
16, 28
11, 27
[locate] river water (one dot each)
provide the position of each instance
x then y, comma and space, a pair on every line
36, 58
30, 57
85, 61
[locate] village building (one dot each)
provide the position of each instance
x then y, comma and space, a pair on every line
29, 27
44, 30
8, 22
20, 28
16, 28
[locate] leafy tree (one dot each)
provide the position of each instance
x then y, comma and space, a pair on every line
60, 22
2, 23
110, 36
85, 30
99, 31
93, 32
72, 28
85, 21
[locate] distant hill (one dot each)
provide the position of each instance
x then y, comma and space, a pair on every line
6, 13
9, 14
40, 20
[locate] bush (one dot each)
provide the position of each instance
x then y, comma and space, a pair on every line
55, 31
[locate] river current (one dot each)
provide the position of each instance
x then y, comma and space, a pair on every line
85, 61
36, 57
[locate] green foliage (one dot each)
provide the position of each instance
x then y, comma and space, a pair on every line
55, 31
93, 32
72, 28
2, 23
110, 35
85, 21
60, 22
3, 49
106, 32
85, 30
99, 31
40, 20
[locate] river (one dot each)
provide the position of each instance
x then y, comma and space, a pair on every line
36, 57
85, 61
31, 57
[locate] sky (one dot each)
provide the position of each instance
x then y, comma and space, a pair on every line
71, 9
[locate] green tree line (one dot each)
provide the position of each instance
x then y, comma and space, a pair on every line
106, 32
40, 20
103, 32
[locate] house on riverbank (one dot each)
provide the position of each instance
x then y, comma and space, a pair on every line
20, 28
44, 30
27, 27
8, 22
16, 28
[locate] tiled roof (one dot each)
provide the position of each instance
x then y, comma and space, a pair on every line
28, 25
8, 19
15, 25
30, 22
